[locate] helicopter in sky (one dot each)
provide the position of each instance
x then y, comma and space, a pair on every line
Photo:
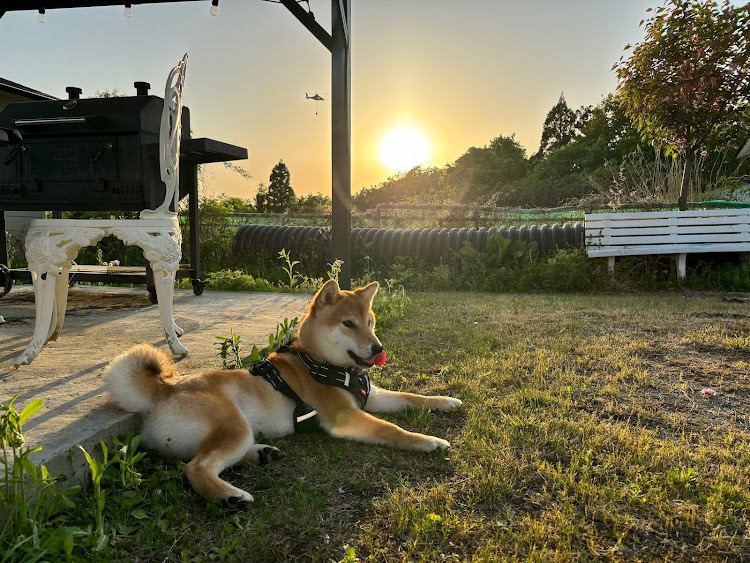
316, 98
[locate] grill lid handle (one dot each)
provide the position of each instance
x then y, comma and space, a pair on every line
141, 88
74, 93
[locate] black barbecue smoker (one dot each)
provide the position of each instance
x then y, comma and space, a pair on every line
97, 154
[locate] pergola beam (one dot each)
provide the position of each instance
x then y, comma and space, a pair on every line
309, 22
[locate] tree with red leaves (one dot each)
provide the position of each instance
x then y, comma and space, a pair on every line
688, 82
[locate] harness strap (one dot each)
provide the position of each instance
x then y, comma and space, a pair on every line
306, 418
352, 379
270, 373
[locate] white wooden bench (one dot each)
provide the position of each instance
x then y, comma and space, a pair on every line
667, 232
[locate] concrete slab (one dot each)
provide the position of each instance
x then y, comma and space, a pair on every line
100, 323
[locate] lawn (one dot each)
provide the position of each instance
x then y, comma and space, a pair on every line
584, 434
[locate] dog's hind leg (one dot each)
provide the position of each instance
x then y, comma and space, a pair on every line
230, 441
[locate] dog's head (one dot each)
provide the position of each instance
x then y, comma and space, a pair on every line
339, 327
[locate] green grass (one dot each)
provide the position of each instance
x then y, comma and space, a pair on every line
583, 436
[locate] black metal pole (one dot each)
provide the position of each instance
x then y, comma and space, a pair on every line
341, 164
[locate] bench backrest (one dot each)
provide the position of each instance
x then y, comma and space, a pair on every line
668, 232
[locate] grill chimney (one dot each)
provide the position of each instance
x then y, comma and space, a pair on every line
141, 88
74, 93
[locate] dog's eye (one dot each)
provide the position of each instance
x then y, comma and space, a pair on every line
349, 324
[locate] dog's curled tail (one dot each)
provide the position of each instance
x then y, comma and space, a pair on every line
138, 377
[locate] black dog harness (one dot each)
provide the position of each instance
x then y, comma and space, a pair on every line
306, 418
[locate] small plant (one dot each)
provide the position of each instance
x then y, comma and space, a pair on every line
390, 303
403, 270
285, 331
335, 270
32, 506
284, 334
125, 457
230, 349
11, 253
493, 268
230, 346
289, 268
501, 252
307, 284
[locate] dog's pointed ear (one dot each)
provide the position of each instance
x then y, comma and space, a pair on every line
368, 292
329, 294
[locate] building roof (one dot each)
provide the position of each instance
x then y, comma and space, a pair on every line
25, 91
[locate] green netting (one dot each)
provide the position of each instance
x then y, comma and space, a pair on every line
429, 216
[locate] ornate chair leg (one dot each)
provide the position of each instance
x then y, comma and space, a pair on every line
50, 248
161, 247
61, 302
44, 295
61, 288
164, 281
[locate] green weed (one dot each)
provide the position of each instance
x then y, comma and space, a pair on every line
32, 507
230, 351
289, 268
124, 459
390, 304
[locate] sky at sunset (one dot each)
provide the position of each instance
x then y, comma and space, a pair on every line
437, 76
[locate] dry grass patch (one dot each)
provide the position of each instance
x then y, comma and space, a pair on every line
584, 435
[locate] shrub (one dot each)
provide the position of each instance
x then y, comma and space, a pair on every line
236, 280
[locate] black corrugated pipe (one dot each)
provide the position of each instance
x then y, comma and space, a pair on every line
431, 244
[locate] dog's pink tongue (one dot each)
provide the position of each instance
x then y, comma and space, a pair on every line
379, 359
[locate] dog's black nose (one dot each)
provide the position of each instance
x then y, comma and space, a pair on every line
376, 349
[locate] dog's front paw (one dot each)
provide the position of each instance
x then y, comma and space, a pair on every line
432, 443
454, 403
447, 403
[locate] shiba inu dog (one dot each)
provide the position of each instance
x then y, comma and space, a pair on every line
212, 418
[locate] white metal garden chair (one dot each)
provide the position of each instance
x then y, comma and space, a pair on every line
52, 244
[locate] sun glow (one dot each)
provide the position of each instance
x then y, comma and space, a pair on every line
404, 148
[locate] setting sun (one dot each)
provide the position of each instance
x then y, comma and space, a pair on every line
404, 148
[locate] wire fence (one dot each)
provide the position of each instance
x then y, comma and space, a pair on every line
403, 216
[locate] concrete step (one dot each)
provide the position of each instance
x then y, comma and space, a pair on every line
100, 323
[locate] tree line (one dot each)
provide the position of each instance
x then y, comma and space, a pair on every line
682, 104
581, 151
275, 197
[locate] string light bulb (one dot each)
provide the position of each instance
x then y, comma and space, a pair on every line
42, 17
214, 7
128, 11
